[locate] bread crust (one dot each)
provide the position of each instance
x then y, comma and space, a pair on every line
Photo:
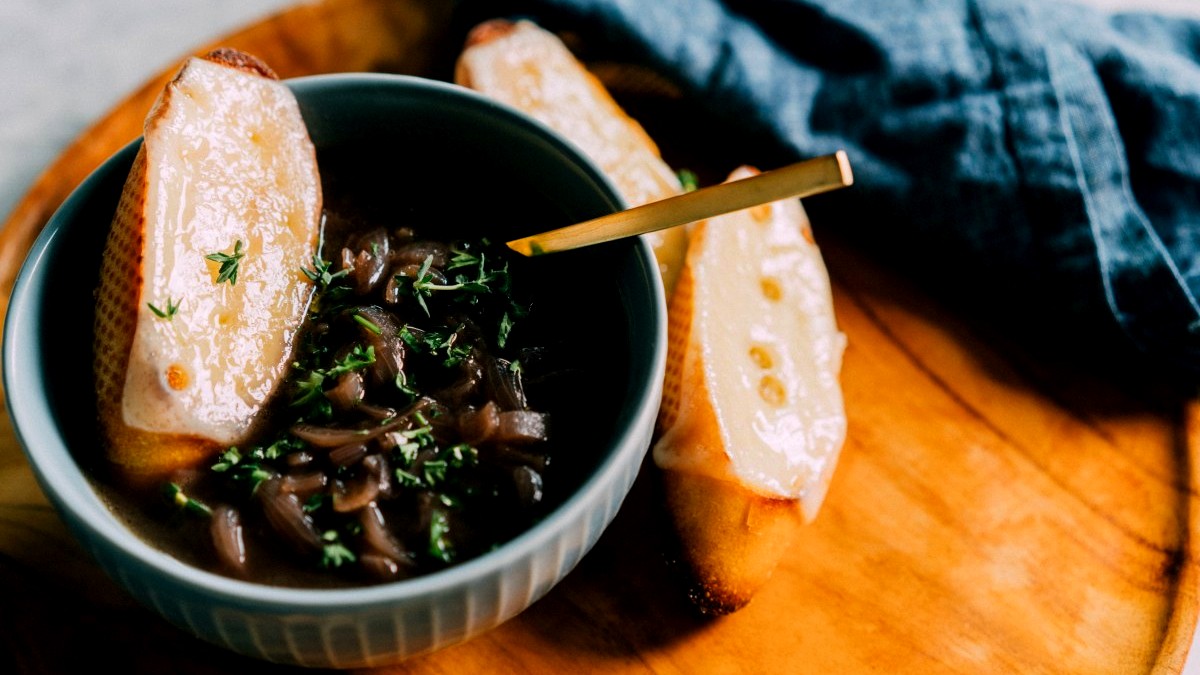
731, 538
144, 454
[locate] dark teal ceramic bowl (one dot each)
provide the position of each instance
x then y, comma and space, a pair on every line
406, 145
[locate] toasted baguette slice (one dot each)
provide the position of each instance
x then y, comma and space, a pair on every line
529, 68
752, 420
185, 361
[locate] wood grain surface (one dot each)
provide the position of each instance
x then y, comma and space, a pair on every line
994, 511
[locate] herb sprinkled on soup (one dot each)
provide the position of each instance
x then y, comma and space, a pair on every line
406, 442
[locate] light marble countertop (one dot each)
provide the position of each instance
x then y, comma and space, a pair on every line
63, 63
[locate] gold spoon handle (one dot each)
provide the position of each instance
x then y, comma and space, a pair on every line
801, 179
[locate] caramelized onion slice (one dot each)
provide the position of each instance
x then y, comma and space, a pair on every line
389, 348
415, 253
287, 517
228, 542
502, 384
477, 426
378, 538
348, 455
303, 485
381, 567
333, 437
348, 392
522, 427
362, 489
528, 484
372, 260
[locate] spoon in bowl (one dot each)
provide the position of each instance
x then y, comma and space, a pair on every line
802, 179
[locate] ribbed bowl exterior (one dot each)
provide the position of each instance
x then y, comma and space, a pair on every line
374, 636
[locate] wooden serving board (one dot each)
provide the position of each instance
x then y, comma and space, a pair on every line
993, 511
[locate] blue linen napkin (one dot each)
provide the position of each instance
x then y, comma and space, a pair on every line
1038, 160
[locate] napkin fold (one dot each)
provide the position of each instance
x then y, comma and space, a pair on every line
1040, 161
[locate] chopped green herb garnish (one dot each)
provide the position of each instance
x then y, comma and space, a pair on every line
407, 479
229, 263
357, 359
462, 258
506, 324
439, 543
245, 468
317, 502
321, 274
402, 384
485, 280
368, 324
422, 434
469, 313
460, 455
180, 499
688, 180
311, 388
432, 342
169, 312
434, 471
229, 459
334, 552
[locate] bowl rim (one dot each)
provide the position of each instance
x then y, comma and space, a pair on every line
60, 476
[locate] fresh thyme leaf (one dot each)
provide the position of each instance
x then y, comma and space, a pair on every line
316, 502
456, 354
404, 387
410, 338
310, 389
368, 324
229, 459
434, 471
439, 543
485, 281
321, 275
180, 499
688, 180
244, 468
422, 435
169, 312
460, 455
334, 552
282, 447
421, 284
357, 359
506, 324
462, 258
229, 263
407, 479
